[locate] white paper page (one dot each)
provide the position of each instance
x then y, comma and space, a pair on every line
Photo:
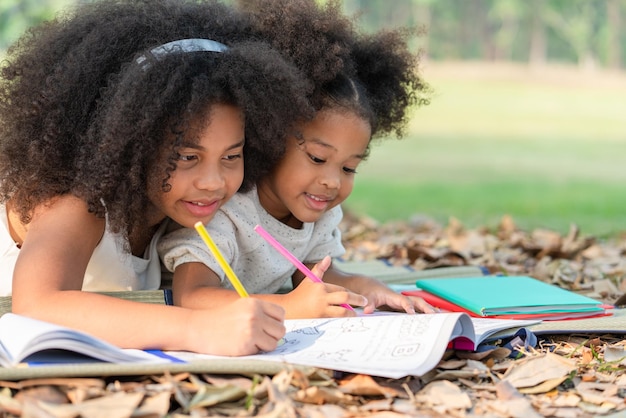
381, 345
485, 327
22, 336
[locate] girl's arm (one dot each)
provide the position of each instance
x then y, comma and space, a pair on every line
48, 277
377, 293
196, 286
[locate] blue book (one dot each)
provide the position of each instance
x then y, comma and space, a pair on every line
506, 295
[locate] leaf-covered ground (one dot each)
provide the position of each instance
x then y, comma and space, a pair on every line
564, 376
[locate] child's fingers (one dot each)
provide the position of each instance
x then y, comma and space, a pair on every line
334, 288
267, 342
270, 328
338, 295
271, 335
274, 311
369, 308
407, 305
421, 305
354, 299
320, 268
412, 303
336, 311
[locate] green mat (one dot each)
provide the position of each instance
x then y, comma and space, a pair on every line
614, 324
101, 369
389, 274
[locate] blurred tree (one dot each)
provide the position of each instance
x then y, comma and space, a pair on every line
577, 22
587, 32
505, 17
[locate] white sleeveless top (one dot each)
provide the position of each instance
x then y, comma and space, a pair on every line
111, 267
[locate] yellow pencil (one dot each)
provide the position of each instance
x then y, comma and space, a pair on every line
230, 274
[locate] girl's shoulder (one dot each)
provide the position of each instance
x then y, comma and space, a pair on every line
67, 215
65, 202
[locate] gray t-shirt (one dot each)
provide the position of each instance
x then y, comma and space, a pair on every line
259, 267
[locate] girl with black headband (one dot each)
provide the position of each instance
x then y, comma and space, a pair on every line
114, 119
365, 86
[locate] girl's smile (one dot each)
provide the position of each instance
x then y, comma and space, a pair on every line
202, 209
317, 202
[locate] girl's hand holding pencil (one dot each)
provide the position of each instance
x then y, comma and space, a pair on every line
311, 299
333, 295
264, 320
244, 327
297, 263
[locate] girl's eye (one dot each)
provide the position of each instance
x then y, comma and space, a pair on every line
316, 160
233, 157
349, 170
187, 157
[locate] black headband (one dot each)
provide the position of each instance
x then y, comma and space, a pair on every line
180, 46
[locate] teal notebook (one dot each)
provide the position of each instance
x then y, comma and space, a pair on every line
503, 295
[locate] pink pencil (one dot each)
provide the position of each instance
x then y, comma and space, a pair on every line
292, 258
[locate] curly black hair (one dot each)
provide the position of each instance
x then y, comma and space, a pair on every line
79, 115
374, 75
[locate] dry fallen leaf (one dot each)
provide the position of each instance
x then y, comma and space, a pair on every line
443, 396
360, 384
533, 371
116, 405
321, 395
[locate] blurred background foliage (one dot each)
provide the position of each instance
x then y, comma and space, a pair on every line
585, 32
526, 119
18, 15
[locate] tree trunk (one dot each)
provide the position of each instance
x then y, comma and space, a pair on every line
538, 49
479, 18
614, 56
423, 18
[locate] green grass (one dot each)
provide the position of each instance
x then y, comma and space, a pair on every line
549, 151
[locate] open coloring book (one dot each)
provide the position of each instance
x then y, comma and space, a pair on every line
386, 345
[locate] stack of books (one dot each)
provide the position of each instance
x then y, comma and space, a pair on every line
510, 297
